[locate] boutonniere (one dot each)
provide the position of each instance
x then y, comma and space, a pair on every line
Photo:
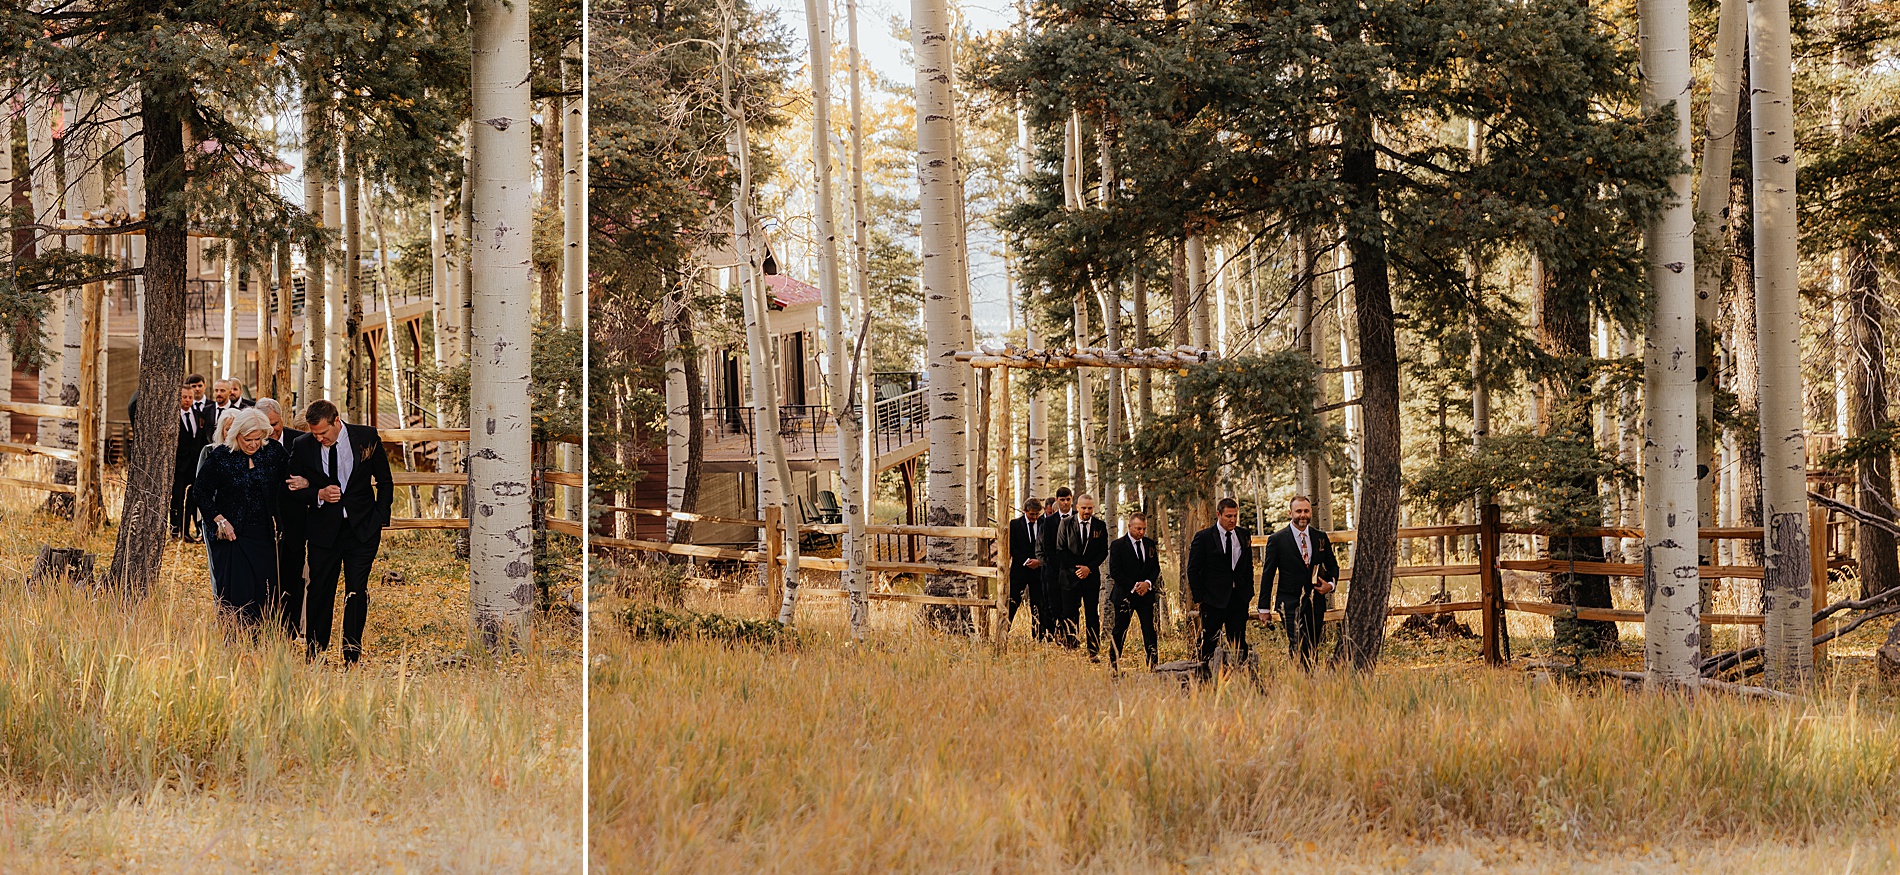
365, 454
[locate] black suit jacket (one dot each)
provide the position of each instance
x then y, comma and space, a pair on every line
1094, 551
1212, 581
1295, 578
190, 446
1020, 552
368, 496
1124, 570
1046, 544
293, 508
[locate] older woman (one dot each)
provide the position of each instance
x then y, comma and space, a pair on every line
237, 491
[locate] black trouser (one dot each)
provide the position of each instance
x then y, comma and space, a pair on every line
353, 555
1134, 605
1231, 618
1080, 598
1305, 620
181, 486
1025, 588
291, 550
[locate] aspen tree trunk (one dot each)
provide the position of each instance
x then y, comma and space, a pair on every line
1320, 463
1786, 583
389, 320
1084, 390
89, 474
1742, 342
774, 476
946, 495
353, 337
549, 276
1711, 216
260, 304
1305, 313
335, 309
838, 358
680, 415
1671, 594
573, 193
1036, 444
316, 332
500, 476
281, 359
227, 350
860, 268
976, 451
1196, 253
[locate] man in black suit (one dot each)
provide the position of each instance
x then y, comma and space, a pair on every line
1059, 509
1134, 574
1025, 570
1302, 559
234, 390
293, 533
204, 408
349, 505
192, 438
1220, 576
1081, 548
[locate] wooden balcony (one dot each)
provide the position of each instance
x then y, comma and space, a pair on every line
811, 434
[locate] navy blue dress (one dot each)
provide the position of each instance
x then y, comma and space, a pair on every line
243, 489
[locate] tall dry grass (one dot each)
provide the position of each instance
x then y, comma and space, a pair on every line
151, 733
920, 753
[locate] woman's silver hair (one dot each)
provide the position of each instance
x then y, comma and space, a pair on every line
235, 424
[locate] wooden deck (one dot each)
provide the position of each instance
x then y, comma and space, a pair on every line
811, 437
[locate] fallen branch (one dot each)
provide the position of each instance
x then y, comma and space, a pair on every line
1724, 661
1859, 515
1637, 677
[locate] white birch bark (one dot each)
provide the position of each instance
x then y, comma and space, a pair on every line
501, 170
1711, 226
573, 196
1786, 583
838, 358
1197, 291
947, 497
334, 305
860, 267
227, 347
315, 281
1036, 444
774, 475
679, 416
1671, 589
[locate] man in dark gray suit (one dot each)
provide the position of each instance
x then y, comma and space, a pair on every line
1220, 576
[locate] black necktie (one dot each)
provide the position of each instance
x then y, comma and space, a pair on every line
1227, 546
1138, 557
332, 471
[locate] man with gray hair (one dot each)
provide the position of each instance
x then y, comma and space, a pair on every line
293, 530
1081, 547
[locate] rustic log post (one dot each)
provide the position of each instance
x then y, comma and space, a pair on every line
1491, 586
1817, 565
1000, 403
774, 573
88, 503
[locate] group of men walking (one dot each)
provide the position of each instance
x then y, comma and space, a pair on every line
1058, 549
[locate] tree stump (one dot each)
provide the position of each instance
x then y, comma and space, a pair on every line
1887, 662
70, 565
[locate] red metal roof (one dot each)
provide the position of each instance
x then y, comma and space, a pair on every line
789, 292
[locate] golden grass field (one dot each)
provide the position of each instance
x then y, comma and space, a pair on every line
917, 752
146, 736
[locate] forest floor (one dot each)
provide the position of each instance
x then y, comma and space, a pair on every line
922, 752
151, 736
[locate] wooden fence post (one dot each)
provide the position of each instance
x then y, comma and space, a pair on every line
1817, 566
774, 571
1491, 587
1003, 508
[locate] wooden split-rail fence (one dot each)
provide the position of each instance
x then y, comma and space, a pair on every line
401, 474
1492, 604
